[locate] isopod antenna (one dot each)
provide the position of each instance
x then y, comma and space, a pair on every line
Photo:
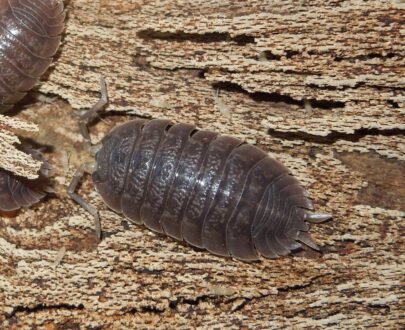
89, 167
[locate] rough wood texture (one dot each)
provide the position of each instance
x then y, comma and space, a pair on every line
319, 85
11, 158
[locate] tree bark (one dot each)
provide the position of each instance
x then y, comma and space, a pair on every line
317, 84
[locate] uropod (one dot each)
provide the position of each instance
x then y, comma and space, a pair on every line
212, 191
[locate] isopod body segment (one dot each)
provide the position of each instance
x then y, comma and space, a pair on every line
17, 192
29, 38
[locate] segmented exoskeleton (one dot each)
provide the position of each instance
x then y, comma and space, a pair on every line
214, 192
29, 38
17, 192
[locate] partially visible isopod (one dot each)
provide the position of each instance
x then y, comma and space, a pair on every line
29, 38
214, 192
17, 192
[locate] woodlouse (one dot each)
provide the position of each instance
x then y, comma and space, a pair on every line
212, 191
16, 192
29, 38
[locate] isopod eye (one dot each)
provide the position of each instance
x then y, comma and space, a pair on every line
96, 177
100, 175
97, 156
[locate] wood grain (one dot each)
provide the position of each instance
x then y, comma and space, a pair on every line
319, 86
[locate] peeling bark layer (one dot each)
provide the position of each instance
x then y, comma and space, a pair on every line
319, 85
12, 159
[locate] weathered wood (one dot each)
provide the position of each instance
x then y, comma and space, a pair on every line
11, 158
318, 84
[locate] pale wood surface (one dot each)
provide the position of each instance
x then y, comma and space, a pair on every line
319, 86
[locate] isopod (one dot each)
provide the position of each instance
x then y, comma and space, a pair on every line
29, 38
212, 191
17, 192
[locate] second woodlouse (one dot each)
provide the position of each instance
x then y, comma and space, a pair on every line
214, 192
17, 192
29, 37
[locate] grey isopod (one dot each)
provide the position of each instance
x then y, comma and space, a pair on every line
29, 38
212, 191
17, 192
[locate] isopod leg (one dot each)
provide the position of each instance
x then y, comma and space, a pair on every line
305, 238
84, 168
91, 114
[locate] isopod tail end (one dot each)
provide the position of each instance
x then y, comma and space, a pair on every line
317, 217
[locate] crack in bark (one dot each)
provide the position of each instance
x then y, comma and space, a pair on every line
192, 302
41, 307
277, 97
212, 37
354, 86
282, 290
365, 57
335, 136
